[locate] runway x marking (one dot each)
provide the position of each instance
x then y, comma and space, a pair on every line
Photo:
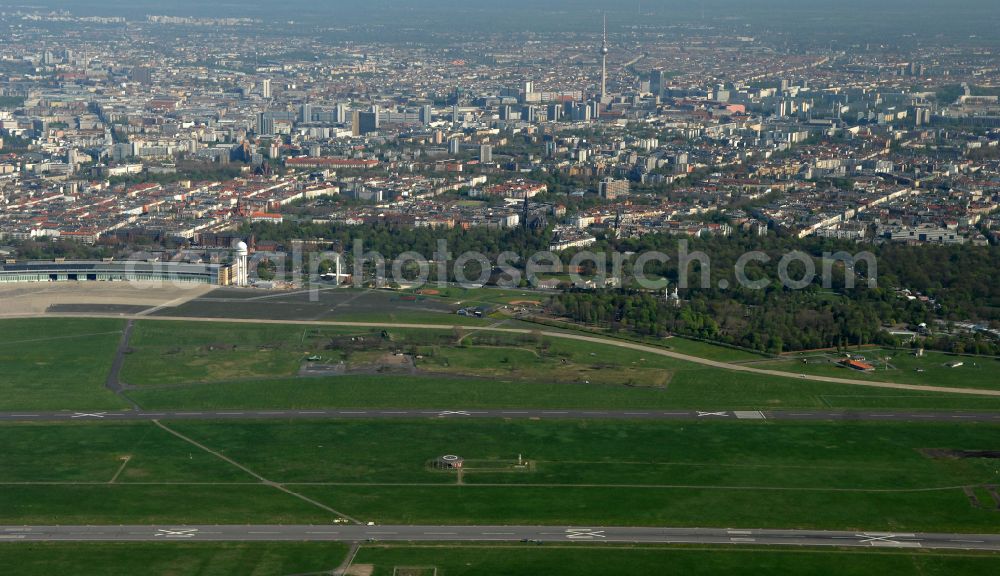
874, 539
90, 414
584, 533
177, 532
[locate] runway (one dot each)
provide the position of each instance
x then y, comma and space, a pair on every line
526, 414
532, 534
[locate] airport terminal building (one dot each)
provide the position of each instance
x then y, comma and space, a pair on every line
111, 271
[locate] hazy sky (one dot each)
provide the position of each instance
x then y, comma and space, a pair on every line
289, 7
919, 16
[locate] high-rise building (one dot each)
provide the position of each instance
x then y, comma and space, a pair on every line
356, 123
656, 82
579, 111
508, 93
305, 113
550, 148
426, 114
265, 124
921, 116
142, 74
454, 146
340, 113
529, 88
610, 188
595, 110
485, 153
364, 122
265, 87
555, 112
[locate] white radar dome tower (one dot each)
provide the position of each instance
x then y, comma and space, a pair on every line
241, 275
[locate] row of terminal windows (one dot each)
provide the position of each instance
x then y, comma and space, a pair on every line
21, 277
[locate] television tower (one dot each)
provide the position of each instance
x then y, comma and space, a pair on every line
604, 60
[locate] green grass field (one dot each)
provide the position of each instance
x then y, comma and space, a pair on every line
171, 559
220, 365
524, 358
166, 352
282, 559
697, 388
544, 358
57, 364
740, 474
172, 503
179, 353
752, 474
875, 455
556, 560
62, 363
710, 389
706, 350
63, 474
902, 366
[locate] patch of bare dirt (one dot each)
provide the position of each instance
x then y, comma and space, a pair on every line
360, 570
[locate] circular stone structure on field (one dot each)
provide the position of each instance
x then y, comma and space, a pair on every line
449, 461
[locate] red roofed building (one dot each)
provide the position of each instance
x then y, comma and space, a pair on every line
163, 104
857, 365
519, 188
266, 217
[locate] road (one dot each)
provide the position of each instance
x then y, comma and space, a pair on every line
550, 334
533, 414
113, 381
355, 533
